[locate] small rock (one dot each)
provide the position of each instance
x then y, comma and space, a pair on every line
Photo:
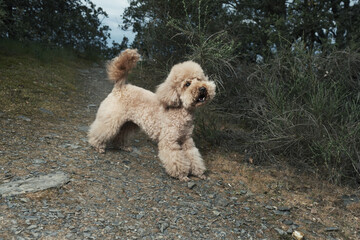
249, 194
36, 235
298, 235
263, 226
191, 185
140, 215
288, 222
217, 213
212, 196
221, 201
332, 229
39, 161
33, 184
74, 146
239, 223
46, 111
269, 207
32, 227
69, 235
349, 199
135, 152
24, 200
163, 227
284, 213
284, 209
280, 231
24, 118
243, 192
92, 106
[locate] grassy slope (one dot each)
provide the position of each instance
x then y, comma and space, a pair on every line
32, 83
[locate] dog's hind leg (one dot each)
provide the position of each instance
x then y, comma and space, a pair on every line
102, 132
174, 160
121, 140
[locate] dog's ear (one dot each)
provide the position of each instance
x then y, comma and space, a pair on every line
168, 95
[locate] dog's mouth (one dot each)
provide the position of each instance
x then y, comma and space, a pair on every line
202, 95
201, 98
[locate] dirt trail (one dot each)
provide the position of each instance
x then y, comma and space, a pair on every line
128, 195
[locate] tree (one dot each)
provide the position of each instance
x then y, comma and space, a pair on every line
116, 48
153, 21
2, 13
70, 23
260, 28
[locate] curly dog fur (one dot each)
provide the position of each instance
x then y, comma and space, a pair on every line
166, 115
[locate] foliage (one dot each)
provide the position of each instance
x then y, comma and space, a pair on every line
259, 28
306, 106
154, 22
289, 85
74, 24
2, 13
116, 48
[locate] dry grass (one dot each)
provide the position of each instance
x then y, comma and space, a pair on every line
315, 204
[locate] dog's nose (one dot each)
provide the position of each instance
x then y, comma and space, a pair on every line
202, 89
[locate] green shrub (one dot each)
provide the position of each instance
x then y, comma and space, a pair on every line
306, 106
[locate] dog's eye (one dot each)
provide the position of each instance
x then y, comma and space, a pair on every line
187, 84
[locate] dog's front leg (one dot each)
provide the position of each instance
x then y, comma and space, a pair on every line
197, 167
174, 160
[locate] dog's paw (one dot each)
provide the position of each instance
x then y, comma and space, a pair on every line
100, 150
126, 149
184, 178
198, 172
202, 176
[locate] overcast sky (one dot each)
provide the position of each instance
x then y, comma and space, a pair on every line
114, 9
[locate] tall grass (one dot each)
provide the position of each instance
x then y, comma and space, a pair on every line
306, 106
302, 105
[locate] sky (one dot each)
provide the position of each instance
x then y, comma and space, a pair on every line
114, 9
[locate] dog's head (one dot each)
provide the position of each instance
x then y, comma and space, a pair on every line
186, 86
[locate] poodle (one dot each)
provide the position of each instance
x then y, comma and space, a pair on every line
166, 116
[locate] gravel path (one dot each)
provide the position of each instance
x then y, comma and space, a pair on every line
122, 195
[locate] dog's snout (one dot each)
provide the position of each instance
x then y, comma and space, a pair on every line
202, 90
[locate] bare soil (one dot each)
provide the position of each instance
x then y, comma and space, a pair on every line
128, 195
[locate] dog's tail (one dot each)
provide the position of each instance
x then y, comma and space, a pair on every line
119, 67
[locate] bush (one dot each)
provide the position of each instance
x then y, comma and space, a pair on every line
306, 106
